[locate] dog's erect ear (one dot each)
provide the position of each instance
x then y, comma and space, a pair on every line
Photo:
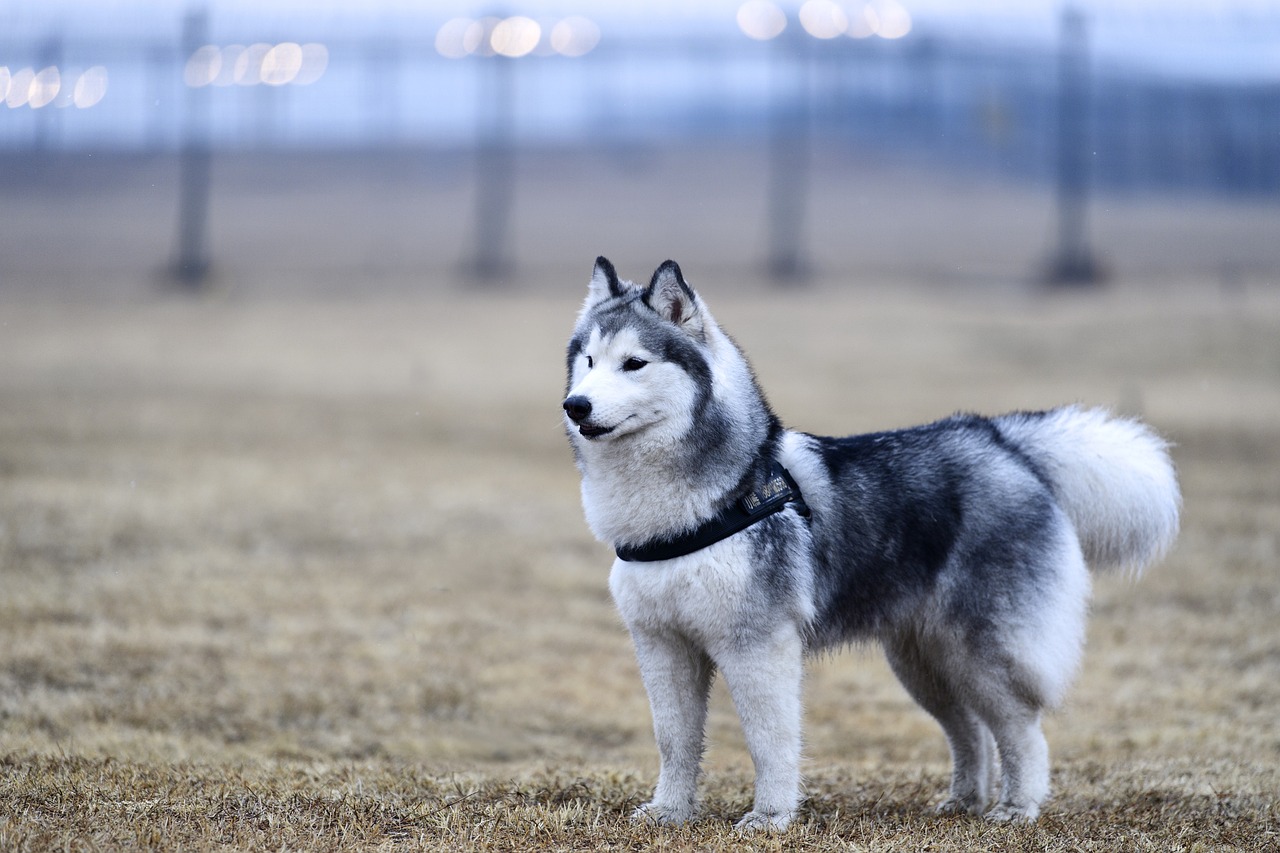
673, 299
605, 283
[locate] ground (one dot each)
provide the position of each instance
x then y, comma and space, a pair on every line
284, 568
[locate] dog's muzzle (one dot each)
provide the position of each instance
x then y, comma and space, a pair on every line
578, 408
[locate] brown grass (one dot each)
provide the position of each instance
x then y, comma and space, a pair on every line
285, 573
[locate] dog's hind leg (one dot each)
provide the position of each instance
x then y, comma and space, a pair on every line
1008, 698
973, 753
677, 676
764, 679
1023, 670
1024, 762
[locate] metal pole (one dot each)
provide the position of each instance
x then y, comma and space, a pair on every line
495, 163
790, 153
1074, 263
191, 267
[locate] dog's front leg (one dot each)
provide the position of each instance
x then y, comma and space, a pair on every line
677, 676
764, 678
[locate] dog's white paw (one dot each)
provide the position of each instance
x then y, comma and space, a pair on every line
1010, 813
755, 821
657, 814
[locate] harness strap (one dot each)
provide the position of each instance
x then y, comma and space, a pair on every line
771, 497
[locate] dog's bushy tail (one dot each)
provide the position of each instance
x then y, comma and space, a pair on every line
1113, 477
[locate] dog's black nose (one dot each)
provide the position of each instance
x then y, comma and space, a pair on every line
578, 409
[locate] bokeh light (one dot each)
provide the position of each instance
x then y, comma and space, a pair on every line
203, 66
761, 19
44, 87
52, 86
515, 37
274, 65
226, 75
281, 64
864, 22
90, 88
248, 65
451, 39
895, 20
887, 19
823, 19
575, 36
19, 87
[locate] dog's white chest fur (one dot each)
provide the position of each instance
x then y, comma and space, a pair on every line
699, 596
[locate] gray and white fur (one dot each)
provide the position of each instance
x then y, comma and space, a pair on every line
961, 546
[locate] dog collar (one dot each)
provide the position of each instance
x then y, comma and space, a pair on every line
764, 500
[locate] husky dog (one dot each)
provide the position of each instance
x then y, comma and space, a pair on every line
961, 546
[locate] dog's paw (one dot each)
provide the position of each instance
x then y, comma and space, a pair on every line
657, 814
755, 821
958, 806
1011, 813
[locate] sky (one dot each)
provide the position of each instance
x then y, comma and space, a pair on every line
1215, 38
1014, 13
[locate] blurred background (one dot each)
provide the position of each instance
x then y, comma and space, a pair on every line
334, 145
284, 291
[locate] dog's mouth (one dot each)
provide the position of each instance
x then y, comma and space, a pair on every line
589, 431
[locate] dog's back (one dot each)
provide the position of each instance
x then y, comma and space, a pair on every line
979, 501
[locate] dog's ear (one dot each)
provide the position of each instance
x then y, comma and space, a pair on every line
673, 298
605, 283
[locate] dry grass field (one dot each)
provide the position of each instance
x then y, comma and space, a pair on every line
294, 573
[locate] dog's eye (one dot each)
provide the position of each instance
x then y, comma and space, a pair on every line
633, 364
591, 362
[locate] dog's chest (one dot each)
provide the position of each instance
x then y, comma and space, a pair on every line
706, 595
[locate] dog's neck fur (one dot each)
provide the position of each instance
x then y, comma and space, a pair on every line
637, 489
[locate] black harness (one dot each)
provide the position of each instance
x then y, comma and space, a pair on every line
764, 500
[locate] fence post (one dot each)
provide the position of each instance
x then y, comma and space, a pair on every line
495, 170
191, 266
1073, 263
790, 155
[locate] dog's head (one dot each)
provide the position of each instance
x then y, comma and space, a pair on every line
637, 361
